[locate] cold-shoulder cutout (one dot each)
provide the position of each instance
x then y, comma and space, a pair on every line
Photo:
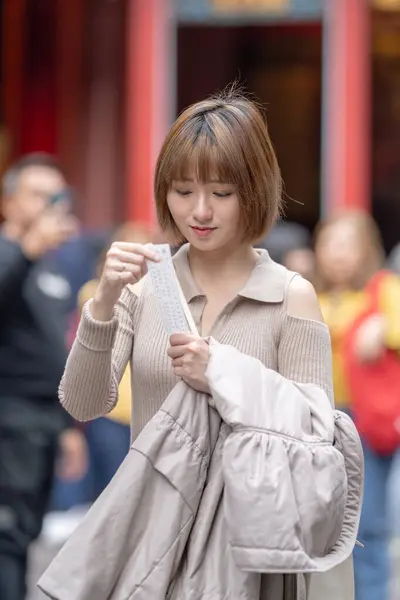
302, 301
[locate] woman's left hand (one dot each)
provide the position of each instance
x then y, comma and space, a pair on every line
190, 355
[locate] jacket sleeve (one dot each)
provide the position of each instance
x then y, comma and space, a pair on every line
304, 361
14, 269
97, 361
285, 481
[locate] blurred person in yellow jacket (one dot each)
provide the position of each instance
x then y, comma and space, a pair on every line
349, 253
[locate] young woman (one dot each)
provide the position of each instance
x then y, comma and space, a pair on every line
217, 191
349, 254
217, 187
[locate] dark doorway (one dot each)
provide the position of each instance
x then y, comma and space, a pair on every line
281, 66
386, 125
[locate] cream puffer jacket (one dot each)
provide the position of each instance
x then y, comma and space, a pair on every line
224, 498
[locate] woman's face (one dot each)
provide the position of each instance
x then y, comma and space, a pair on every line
207, 214
340, 253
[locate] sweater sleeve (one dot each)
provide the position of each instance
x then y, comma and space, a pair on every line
97, 361
305, 353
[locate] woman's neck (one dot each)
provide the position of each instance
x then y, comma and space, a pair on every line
343, 288
209, 268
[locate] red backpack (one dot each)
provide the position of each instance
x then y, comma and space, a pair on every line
374, 387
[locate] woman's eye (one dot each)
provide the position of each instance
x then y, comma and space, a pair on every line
183, 192
222, 194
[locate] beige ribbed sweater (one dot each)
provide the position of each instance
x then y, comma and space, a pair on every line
256, 323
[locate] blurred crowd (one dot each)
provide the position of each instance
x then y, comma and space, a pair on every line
49, 267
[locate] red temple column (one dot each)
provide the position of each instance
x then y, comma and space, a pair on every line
150, 93
346, 139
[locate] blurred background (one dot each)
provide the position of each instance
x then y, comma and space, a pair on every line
97, 83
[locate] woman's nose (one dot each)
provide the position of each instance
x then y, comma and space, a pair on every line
202, 210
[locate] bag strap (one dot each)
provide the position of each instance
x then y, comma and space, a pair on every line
374, 287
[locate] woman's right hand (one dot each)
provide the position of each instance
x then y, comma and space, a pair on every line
125, 264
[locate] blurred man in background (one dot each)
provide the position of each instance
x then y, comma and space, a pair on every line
284, 237
33, 299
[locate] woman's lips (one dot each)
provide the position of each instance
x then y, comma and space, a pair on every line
203, 231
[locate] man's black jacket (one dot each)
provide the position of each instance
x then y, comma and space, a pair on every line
33, 321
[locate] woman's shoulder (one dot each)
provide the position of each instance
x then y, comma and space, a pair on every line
298, 295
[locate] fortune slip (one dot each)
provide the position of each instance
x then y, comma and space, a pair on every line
174, 311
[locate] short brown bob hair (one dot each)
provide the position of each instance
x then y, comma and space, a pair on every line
226, 137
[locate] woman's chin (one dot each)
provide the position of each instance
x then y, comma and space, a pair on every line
206, 244
210, 245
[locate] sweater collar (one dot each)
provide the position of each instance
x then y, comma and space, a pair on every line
265, 284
